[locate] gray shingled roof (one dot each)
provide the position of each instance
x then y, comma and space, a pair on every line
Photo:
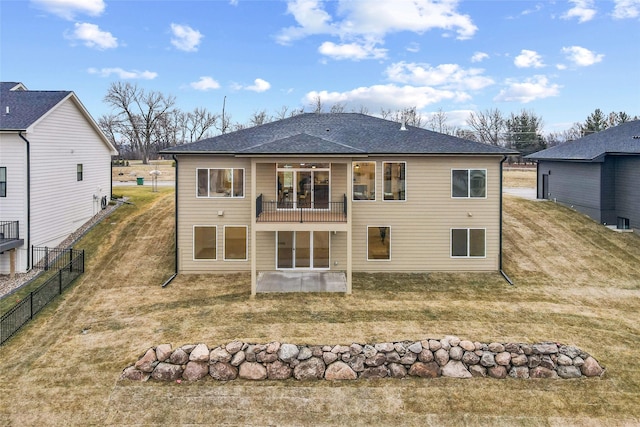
621, 139
335, 133
25, 106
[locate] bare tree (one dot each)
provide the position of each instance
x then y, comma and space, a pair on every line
197, 124
138, 113
316, 105
489, 126
337, 108
259, 118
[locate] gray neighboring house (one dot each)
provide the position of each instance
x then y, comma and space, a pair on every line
598, 175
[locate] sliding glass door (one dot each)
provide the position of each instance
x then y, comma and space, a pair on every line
302, 250
305, 185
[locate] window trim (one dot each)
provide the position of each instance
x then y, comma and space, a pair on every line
405, 180
375, 180
79, 172
246, 243
3, 188
468, 243
367, 243
209, 196
469, 196
193, 236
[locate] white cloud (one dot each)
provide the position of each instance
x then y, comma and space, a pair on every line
124, 74
581, 56
449, 76
387, 96
626, 9
68, 9
528, 59
582, 9
185, 38
353, 51
205, 83
413, 47
259, 85
92, 36
479, 57
536, 87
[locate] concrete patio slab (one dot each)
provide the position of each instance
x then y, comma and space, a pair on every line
307, 281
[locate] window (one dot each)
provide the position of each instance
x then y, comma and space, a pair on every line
378, 243
394, 180
204, 242
364, 180
623, 223
468, 242
3, 181
220, 182
468, 183
235, 243
79, 171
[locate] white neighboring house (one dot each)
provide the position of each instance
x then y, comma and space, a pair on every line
55, 171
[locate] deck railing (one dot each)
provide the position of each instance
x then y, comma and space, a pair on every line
9, 230
321, 211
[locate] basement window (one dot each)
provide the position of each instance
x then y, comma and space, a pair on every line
79, 171
3, 181
623, 223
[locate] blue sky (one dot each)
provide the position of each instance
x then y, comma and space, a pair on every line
559, 59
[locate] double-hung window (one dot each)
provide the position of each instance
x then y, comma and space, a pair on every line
204, 242
220, 182
394, 180
79, 171
3, 181
364, 180
468, 242
466, 183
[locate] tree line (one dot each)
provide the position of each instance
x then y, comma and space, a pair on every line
142, 123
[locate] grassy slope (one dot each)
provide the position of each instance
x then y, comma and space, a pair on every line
576, 283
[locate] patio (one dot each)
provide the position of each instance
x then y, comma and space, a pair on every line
307, 281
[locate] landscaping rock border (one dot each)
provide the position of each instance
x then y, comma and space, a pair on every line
428, 358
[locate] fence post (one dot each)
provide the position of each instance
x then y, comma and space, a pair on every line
70, 260
83, 260
31, 305
46, 258
60, 282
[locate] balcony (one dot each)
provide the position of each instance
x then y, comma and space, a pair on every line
10, 235
318, 212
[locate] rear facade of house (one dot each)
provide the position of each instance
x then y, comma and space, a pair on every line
337, 192
598, 175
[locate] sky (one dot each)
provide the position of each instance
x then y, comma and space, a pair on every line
558, 59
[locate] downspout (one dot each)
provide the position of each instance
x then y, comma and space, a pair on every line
170, 279
501, 207
28, 198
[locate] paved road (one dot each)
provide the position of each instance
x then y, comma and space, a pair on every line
527, 193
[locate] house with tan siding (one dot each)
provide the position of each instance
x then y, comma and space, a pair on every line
330, 194
55, 171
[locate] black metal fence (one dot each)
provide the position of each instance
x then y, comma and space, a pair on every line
9, 230
24, 310
46, 259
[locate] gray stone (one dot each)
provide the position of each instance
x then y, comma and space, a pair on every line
339, 371
416, 347
569, 350
540, 372
369, 351
455, 369
518, 359
279, 370
480, 346
496, 347
569, 372
393, 357
195, 371
546, 362
163, 351
470, 358
478, 371
545, 348
591, 368
467, 345
305, 353
578, 361
444, 344
340, 349
329, 357
167, 372
200, 353
400, 348
385, 347
238, 358
453, 340
425, 355
519, 372
264, 357
441, 356
326, 348
345, 357
316, 351
273, 347
503, 358
434, 345
357, 362
487, 359
455, 353
397, 370
288, 352
499, 372
188, 348
513, 347
534, 360
564, 360
377, 360
425, 370
133, 374
218, 354
179, 357
250, 353
408, 358
527, 349
234, 347
375, 372
355, 349
147, 362
252, 371
222, 371
309, 369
